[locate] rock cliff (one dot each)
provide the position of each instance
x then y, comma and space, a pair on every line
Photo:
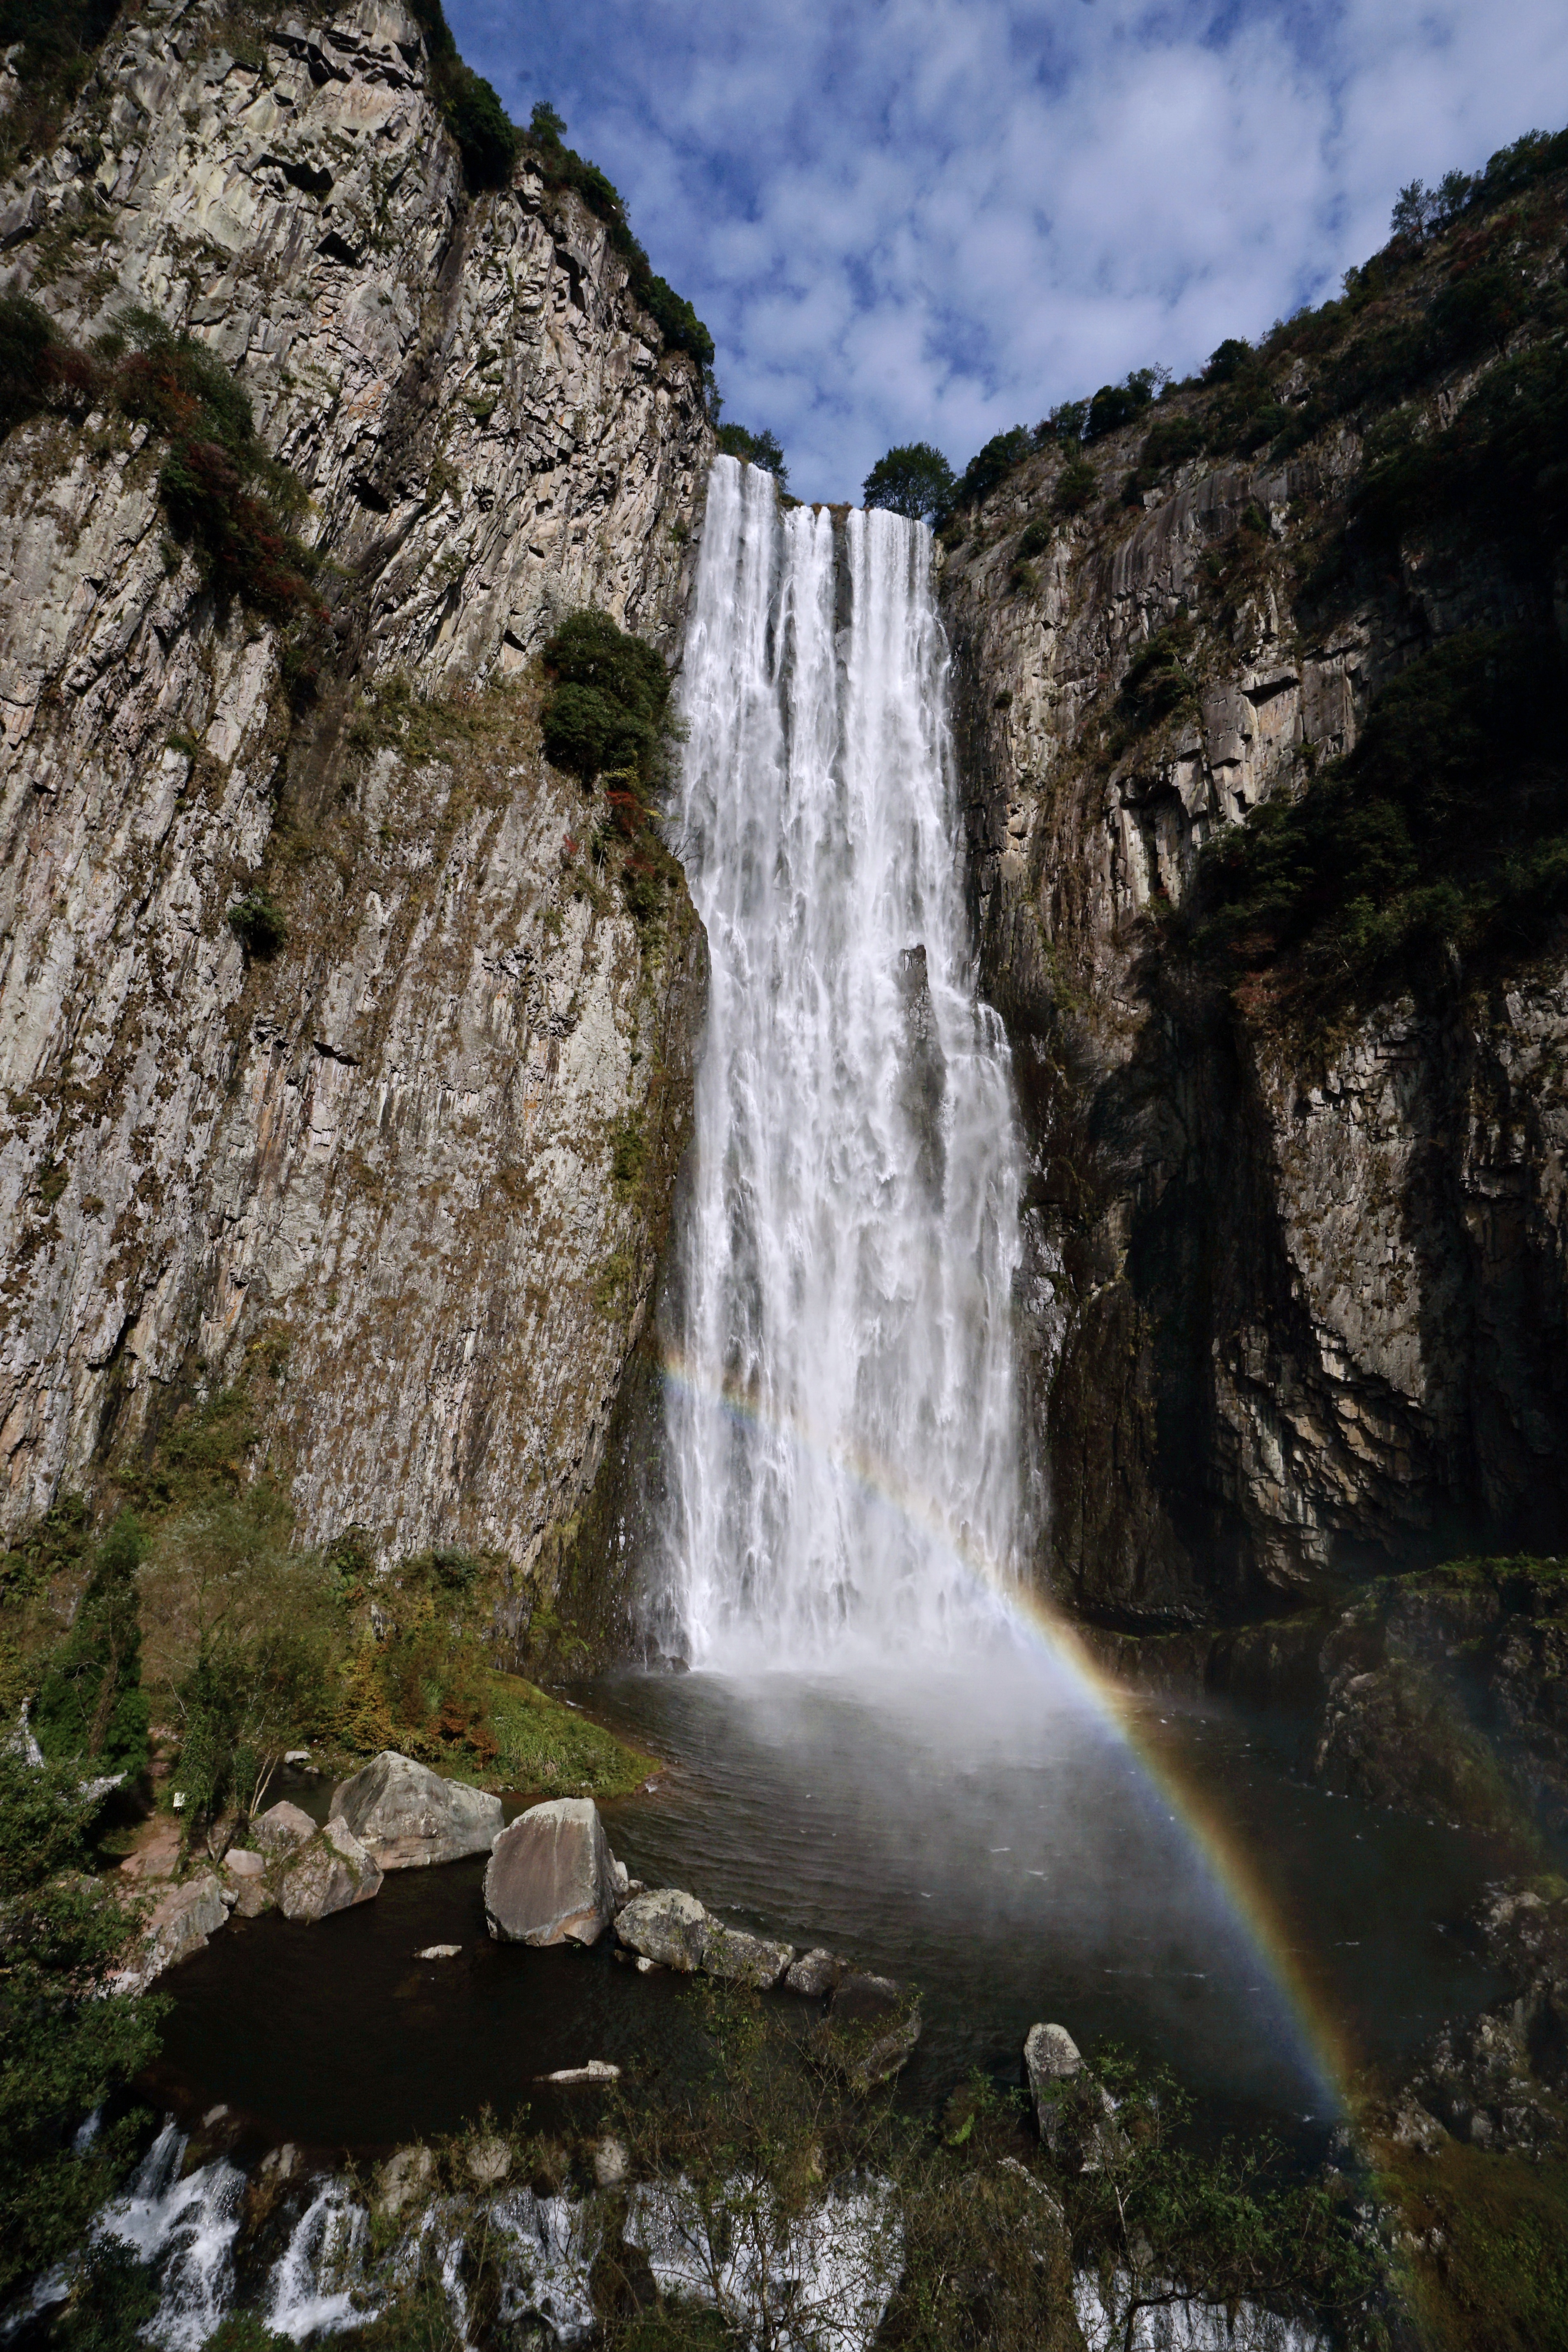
406, 1175
1297, 1303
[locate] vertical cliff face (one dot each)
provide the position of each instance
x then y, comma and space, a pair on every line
1299, 1295
408, 1174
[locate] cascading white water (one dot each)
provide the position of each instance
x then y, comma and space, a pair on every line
842, 1419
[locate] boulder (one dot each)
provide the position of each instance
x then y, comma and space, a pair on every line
181, 1923
282, 1825
871, 2029
248, 1889
1076, 2113
489, 2161
816, 1972
407, 2179
405, 1815
551, 1876
736, 1958
332, 1874
665, 1925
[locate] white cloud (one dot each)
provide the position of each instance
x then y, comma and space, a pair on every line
934, 218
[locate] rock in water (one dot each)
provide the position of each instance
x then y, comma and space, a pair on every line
665, 1925
869, 2030
405, 1815
1074, 2113
738, 1958
183, 1919
551, 1876
816, 1972
333, 1873
282, 1825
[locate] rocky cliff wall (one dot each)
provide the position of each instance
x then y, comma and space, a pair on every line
408, 1176
1297, 1297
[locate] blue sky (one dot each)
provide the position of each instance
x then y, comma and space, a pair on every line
930, 219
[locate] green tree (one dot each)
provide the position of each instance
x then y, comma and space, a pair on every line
914, 479
757, 448
91, 1708
66, 2042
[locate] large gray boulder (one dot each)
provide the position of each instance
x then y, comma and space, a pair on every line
181, 1921
551, 1877
405, 1815
667, 1926
1076, 2113
332, 1874
280, 1826
729, 1953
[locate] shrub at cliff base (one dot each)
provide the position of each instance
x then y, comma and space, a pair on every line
91, 1708
65, 2047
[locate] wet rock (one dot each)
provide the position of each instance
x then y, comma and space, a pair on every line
181, 1923
282, 1825
551, 1876
489, 2161
597, 2070
406, 2178
1076, 2113
871, 2027
735, 1957
405, 1815
611, 2163
665, 1925
332, 1874
816, 1972
439, 1952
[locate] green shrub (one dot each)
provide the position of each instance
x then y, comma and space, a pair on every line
992, 464
1035, 538
92, 1707
1227, 360
1163, 677
607, 709
39, 369
1076, 487
756, 449
259, 926
67, 2045
59, 39
1116, 404
912, 479
1169, 442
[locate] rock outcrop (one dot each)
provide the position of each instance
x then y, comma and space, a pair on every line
406, 1816
551, 1878
667, 1926
378, 1157
181, 1921
1296, 1298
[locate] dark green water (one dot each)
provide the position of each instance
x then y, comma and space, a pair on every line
980, 1836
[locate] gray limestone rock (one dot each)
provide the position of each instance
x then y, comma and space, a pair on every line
736, 1958
282, 1825
181, 1923
816, 1972
406, 1815
871, 2027
1076, 2113
665, 1925
551, 1876
330, 1874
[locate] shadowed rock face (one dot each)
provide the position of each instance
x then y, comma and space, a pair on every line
1295, 1305
405, 1815
551, 1877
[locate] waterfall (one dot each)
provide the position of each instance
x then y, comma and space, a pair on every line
841, 1415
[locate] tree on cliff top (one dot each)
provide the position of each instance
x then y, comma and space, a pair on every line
913, 480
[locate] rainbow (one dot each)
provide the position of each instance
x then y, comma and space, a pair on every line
1213, 1843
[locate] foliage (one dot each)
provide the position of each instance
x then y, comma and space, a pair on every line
59, 39
1163, 677
259, 926
240, 1637
60, 1540
1169, 2220
1116, 404
756, 449
562, 167
65, 2045
1498, 467
92, 1707
1486, 2253
38, 369
112, 2295
994, 462
913, 480
488, 143
1076, 487
609, 705
1448, 825
1170, 441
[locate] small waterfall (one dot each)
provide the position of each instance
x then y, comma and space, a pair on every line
187, 2227
842, 1419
